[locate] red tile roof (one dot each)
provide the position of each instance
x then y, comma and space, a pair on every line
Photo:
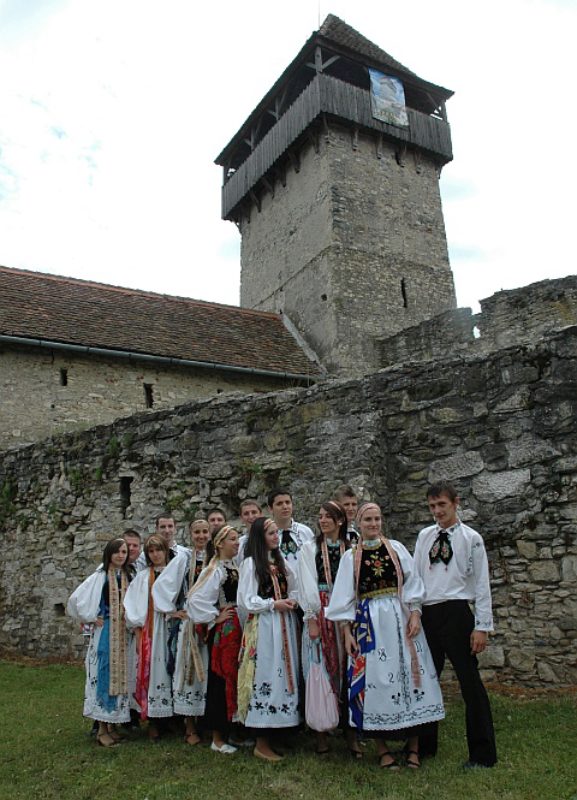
67, 310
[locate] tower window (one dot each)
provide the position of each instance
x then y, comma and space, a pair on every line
125, 493
148, 395
404, 293
63, 377
323, 297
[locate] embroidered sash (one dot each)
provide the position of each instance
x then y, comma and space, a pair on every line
247, 665
328, 629
118, 663
285, 642
365, 637
144, 645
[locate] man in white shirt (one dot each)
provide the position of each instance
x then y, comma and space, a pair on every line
216, 518
292, 534
450, 557
134, 544
347, 497
249, 511
165, 526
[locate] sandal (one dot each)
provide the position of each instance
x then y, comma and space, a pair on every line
392, 764
106, 740
415, 761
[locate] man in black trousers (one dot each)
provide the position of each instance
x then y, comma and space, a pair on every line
450, 557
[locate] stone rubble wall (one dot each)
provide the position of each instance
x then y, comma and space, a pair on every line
515, 316
502, 427
522, 315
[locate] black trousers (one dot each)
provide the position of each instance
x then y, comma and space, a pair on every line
448, 627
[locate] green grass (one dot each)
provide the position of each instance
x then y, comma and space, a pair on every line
47, 753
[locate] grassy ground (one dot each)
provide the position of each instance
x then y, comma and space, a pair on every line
47, 753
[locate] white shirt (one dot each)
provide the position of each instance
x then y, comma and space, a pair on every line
300, 534
242, 542
248, 598
465, 577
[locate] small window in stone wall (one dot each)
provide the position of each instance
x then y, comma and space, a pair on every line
404, 293
148, 395
125, 494
63, 377
59, 610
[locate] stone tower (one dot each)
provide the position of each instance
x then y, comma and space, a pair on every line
337, 198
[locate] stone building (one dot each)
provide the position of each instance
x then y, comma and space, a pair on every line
74, 354
340, 212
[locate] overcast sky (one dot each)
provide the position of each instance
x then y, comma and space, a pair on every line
112, 112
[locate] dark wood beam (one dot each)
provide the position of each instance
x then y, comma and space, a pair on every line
268, 185
280, 172
295, 160
313, 137
255, 199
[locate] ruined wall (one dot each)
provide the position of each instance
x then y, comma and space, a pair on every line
522, 315
515, 316
502, 427
353, 247
35, 403
450, 332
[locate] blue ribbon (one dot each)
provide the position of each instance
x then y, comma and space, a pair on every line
365, 636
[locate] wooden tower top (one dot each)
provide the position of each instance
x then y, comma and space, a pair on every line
329, 78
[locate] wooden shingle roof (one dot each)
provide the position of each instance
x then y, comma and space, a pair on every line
35, 305
339, 32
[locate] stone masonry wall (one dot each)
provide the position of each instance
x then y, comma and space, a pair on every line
353, 248
515, 316
522, 315
34, 404
501, 427
451, 332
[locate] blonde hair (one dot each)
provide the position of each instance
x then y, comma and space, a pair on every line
219, 539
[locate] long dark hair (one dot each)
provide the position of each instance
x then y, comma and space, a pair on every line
338, 514
112, 547
259, 553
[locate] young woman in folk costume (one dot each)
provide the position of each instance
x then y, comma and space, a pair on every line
268, 690
153, 681
377, 596
187, 650
212, 603
322, 639
99, 600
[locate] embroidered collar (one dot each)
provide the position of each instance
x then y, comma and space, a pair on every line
371, 544
450, 531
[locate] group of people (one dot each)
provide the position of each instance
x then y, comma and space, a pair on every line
247, 634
